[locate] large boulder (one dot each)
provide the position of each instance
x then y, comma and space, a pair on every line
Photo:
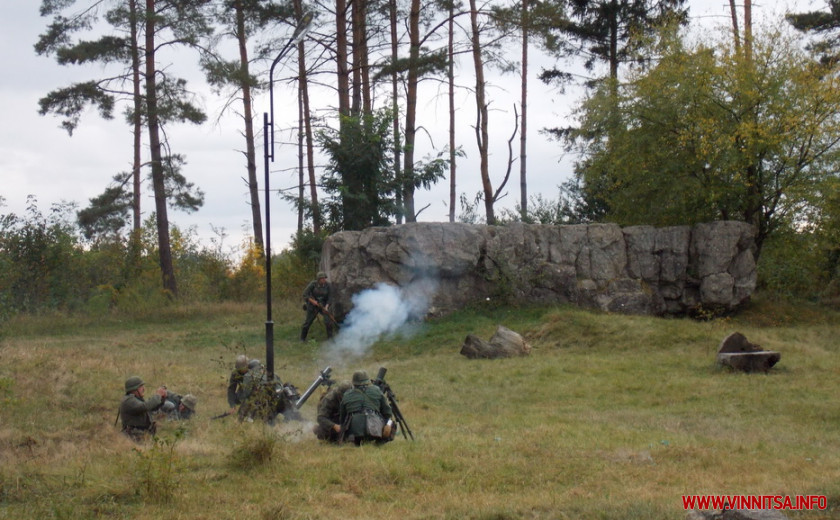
504, 343
634, 270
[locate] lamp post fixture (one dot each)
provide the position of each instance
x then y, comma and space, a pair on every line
268, 147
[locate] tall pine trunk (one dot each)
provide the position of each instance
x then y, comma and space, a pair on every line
481, 127
748, 30
735, 33
158, 177
411, 111
395, 106
248, 116
361, 71
303, 86
137, 117
523, 137
450, 72
343, 79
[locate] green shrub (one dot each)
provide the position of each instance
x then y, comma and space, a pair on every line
792, 265
253, 450
156, 469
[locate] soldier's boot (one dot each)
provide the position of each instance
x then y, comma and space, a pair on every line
303, 332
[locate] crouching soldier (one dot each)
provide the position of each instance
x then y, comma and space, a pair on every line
365, 412
236, 391
329, 413
135, 411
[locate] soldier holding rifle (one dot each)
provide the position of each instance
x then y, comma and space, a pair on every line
317, 299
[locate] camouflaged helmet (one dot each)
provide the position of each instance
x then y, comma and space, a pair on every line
189, 401
360, 378
133, 383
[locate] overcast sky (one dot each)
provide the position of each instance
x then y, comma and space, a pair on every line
38, 158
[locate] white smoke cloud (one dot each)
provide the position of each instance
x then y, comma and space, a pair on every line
381, 312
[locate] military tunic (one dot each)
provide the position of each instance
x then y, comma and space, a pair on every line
323, 295
259, 400
135, 413
235, 388
329, 413
353, 406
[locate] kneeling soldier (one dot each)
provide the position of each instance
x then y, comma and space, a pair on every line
329, 416
135, 411
364, 411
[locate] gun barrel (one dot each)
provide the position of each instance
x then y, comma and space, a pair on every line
322, 378
381, 374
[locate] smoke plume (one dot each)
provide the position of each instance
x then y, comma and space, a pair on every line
381, 312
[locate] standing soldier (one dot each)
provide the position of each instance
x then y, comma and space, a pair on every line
135, 411
317, 298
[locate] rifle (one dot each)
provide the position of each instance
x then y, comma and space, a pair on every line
323, 310
392, 400
221, 415
344, 427
322, 379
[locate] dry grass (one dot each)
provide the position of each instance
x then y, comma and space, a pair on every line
610, 417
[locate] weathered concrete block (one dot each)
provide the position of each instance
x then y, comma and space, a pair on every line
636, 270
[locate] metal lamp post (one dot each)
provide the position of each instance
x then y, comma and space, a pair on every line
268, 147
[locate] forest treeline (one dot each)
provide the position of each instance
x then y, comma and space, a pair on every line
674, 128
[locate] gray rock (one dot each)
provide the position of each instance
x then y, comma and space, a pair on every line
635, 270
737, 342
750, 361
736, 352
504, 343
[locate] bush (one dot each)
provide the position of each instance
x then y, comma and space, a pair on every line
253, 451
792, 265
42, 264
156, 470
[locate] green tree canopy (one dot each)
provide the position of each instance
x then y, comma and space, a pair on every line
826, 25
709, 135
359, 177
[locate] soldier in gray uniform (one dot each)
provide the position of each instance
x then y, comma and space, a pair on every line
235, 389
257, 396
135, 410
317, 298
179, 408
357, 405
329, 421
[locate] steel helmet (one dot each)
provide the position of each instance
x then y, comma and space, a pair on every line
133, 383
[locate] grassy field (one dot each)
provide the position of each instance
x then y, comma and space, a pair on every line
610, 417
